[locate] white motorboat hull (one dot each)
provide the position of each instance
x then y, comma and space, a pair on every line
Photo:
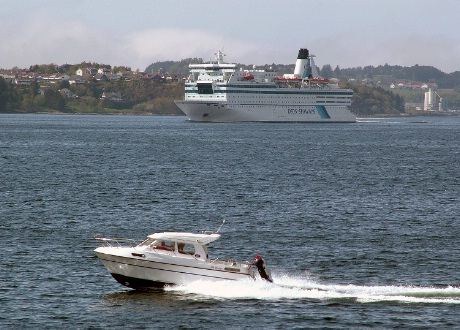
143, 271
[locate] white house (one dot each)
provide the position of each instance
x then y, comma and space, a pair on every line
77, 80
103, 71
79, 72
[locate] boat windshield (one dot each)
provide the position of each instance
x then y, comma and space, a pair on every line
170, 245
160, 244
146, 242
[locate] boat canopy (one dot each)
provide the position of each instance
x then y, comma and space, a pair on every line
202, 239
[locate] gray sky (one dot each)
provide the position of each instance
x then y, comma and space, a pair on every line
139, 32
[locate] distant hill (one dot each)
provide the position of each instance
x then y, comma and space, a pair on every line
173, 67
395, 72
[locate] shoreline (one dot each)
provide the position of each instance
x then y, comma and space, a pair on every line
384, 115
91, 113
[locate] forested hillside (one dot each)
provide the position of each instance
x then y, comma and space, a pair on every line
139, 96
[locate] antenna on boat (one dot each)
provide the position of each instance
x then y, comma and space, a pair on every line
218, 229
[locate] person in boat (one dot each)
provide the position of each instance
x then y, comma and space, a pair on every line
180, 247
161, 246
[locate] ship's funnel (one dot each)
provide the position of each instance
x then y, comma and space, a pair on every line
302, 65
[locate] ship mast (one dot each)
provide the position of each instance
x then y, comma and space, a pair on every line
219, 57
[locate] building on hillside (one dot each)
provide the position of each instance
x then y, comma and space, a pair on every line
8, 77
76, 80
119, 74
23, 81
112, 96
104, 71
433, 101
112, 77
67, 93
54, 78
101, 77
158, 78
409, 84
91, 72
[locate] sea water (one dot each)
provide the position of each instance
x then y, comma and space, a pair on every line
359, 223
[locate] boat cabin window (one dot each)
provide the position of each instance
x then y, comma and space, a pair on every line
186, 248
161, 244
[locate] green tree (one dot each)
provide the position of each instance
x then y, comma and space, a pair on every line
64, 84
54, 100
326, 71
9, 98
337, 72
34, 89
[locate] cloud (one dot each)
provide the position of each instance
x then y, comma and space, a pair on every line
349, 51
50, 40
174, 44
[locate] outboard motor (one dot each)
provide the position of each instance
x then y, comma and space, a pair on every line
263, 271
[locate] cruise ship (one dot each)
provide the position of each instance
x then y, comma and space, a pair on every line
222, 92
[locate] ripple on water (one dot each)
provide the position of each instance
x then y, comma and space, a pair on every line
359, 222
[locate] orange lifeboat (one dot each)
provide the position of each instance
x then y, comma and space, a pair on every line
319, 80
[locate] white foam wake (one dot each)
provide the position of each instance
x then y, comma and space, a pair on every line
378, 120
288, 287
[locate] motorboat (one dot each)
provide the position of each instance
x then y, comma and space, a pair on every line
171, 258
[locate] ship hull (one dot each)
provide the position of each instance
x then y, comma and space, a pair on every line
202, 111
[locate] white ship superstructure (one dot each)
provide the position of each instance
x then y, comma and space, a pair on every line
220, 92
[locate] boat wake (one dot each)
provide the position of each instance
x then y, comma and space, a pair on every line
378, 120
289, 287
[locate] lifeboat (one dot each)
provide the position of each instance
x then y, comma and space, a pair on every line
248, 76
287, 79
319, 80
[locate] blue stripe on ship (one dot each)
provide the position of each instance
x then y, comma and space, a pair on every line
322, 112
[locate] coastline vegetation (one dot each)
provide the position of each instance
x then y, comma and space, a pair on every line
100, 88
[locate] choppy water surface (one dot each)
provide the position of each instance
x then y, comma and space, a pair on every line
358, 222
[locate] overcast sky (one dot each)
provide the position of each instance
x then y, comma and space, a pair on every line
136, 33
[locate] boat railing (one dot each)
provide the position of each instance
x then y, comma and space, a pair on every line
229, 262
116, 242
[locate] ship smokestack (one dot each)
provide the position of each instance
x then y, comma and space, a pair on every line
302, 65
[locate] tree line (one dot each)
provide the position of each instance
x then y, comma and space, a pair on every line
136, 96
